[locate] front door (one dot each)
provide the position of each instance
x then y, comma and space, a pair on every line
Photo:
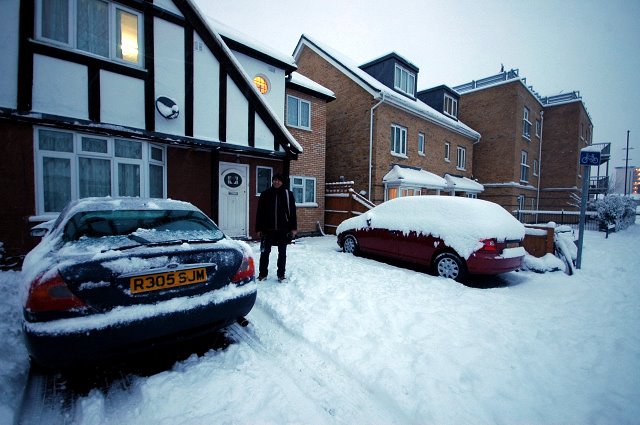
233, 214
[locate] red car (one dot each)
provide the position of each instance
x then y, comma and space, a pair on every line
453, 236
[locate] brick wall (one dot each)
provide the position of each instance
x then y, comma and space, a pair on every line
311, 163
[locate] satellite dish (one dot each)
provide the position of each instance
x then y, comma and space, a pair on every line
167, 107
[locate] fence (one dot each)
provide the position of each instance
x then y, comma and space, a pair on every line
569, 218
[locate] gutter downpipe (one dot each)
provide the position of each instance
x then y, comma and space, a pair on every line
540, 163
371, 141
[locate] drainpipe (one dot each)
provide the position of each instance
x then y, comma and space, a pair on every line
371, 141
540, 161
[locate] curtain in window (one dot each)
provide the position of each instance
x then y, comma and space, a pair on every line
309, 190
304, 115
128, 149
56, 175
292, 111
93, 27
55, 20
155, 181
127, 36
95, 177
128, 180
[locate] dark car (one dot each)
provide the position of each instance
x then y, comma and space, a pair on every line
452, 236
115, 277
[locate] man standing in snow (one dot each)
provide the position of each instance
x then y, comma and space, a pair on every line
276, 224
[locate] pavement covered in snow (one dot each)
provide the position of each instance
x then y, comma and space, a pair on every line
354, 340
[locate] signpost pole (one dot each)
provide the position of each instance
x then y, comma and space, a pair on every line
583, 210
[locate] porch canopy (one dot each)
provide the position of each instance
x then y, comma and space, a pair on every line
462, 184
417, 177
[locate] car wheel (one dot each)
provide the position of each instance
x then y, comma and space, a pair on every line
350, 245
449, 265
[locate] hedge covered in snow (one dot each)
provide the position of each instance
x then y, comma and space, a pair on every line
616, 210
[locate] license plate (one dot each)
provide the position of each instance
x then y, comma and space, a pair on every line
158, 281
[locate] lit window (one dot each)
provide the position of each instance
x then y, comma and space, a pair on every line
450, 106
261, 83
404, 80
462, 158
398, 140
71, 166
298, 113
421, 143
97, 27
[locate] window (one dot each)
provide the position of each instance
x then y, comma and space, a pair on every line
404, 80
524, 167
535, 167
298, 113
394, 192
420, 143
447, 151
398, 140
521, 202
261, 83
450, 106
538, 129
526, 124
462, 154
304, 189
98, 27
471, 195
72, 166
263, 179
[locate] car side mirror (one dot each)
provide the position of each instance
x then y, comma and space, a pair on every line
38, 232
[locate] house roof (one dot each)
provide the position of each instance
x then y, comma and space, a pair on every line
414, 176
380, 91
302, 83
462, 184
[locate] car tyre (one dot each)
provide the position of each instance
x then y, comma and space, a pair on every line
350, 245
449, 265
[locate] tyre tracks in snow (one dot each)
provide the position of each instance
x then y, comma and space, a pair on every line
298, 365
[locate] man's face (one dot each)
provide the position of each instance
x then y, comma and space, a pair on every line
276, 183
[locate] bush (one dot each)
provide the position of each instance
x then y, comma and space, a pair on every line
616, 210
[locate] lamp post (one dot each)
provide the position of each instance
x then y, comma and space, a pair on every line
626, 166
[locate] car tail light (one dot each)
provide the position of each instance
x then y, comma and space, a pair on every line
52, 294
489, 245
246, 272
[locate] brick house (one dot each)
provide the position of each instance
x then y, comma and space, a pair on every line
380, 135
146, 101
508, 114
567, 129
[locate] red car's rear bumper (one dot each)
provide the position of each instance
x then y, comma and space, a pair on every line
485, 263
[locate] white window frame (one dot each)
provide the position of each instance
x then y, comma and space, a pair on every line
299, 112
259, 167
74, 157
404, 80
447, 151
471, 195
72, 36
526, 124
398, 147
538, 129
462, 158
303, 186
521, 202
421, 144
450, 106
524, 166
535, 167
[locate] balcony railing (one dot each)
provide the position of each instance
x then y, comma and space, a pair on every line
598, 185
503, 76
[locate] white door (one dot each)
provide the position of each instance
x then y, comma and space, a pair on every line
233, 214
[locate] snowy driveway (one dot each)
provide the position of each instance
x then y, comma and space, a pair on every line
352, 340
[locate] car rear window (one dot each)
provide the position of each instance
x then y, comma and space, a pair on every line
97, 224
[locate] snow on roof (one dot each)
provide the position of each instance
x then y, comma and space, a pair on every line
421, 178
381, 91
460, 222
301, 80
462, 184
248, 41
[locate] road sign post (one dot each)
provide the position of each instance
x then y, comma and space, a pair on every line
589, 157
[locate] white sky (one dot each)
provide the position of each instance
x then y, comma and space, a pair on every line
559, 46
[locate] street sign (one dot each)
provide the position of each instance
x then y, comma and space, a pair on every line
589, 157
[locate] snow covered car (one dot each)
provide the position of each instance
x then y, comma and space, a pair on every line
117, 276
452, 236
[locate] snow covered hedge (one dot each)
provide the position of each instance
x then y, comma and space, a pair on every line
616, 210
